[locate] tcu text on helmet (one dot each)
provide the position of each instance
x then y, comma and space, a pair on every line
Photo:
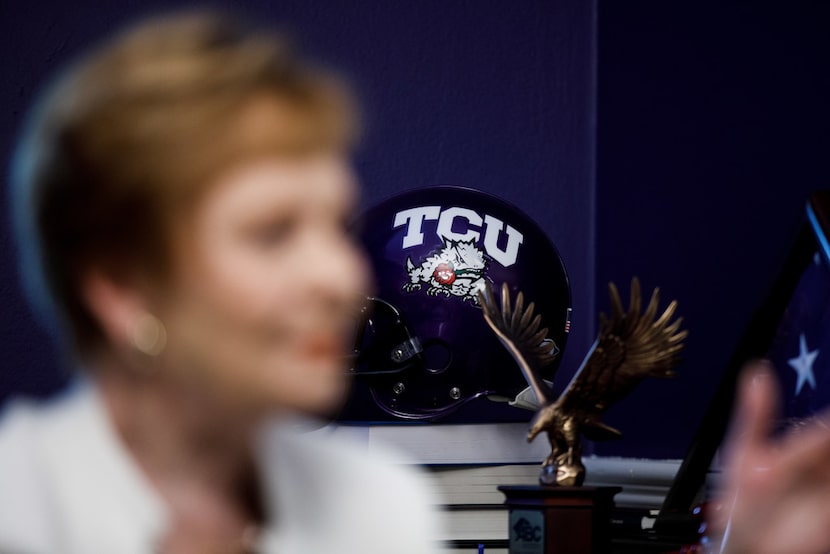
460, 224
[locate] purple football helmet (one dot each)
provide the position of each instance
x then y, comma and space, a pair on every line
423, 349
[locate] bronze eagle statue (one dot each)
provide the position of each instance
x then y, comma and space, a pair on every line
631, 346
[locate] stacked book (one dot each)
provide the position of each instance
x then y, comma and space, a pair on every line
467, 462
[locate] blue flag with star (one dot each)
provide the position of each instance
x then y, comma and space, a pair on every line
801, 347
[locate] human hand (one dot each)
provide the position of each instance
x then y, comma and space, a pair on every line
775, 495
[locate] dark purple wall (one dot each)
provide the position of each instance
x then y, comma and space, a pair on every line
467, 93
714, 126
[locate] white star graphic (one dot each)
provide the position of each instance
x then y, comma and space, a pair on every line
803, 365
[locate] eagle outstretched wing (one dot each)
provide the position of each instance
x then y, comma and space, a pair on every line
631, 346
520, 331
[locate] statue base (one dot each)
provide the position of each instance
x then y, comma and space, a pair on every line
559, 520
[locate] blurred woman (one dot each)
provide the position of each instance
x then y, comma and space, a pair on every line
181, 195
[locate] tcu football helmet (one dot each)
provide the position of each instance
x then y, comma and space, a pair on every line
423, 349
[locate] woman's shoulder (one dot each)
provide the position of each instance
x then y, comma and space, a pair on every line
66, 484
26, 425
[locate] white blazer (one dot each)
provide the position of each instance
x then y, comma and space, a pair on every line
68, 486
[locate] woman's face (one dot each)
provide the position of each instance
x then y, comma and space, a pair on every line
266, 286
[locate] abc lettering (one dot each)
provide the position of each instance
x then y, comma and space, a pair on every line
525, 532
460, 224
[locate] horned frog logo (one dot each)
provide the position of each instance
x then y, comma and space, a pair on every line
457, 269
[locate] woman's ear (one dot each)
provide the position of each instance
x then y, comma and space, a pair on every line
116, 305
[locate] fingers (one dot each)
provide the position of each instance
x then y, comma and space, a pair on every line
757, 406
807, 448
775, 490
746, 444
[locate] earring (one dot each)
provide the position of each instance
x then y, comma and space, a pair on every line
148, 334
